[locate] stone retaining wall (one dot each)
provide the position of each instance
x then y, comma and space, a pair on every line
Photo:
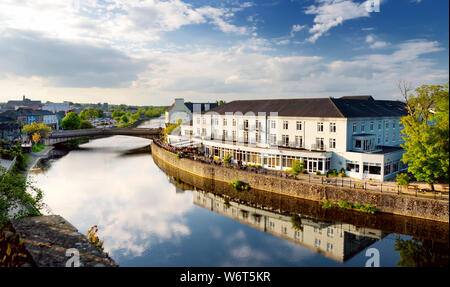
387, 203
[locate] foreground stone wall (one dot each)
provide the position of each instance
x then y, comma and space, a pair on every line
387, 203
50, 241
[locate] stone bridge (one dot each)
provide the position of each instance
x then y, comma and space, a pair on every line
62, 136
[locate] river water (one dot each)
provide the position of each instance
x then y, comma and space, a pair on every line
147, 217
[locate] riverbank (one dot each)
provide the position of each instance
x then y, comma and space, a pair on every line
430, 209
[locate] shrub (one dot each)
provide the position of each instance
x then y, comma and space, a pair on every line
327, 204
341, 174
239, 185
403, 179
318, 172
297, 167
344, 204
178, 155
227, 158
296, 222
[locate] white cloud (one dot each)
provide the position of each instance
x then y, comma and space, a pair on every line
297, 28
370, 38
114, 22
378, 45
331, 13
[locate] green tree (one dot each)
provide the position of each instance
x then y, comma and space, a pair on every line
42, 129
71, 121
85, 124
100, 112
426, 132
124, 119
421, 253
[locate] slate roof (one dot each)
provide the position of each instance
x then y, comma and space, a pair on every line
190, 106
25, 112
345, 107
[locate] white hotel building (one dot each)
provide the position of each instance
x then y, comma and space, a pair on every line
357, 133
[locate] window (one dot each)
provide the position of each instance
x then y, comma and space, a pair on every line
216, 122
363, 127
273, 139
371, 126
258, 137
245, 124
299, 125
387, 124
393, 137
379, 140
245, 136
330, 232
203, 132
329, 247
332, 127
379, 125
204, 121
332, 143
352, 166
317, 242
234, 135
393, 124
387, 168
224, 122
257, 125
285, 140
198, 131
285, 125
372, 168
320, 127
198, 121
319, 143
358, 144
386, 139
354, 127
298, 141
273, 124
234, 122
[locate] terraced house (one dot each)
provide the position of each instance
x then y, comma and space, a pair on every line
355, 133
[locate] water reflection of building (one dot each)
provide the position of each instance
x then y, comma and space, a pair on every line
339, 241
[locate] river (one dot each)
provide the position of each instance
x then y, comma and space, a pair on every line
148, 218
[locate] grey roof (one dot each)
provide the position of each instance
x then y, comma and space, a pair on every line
345, 107
25, 112
190, 106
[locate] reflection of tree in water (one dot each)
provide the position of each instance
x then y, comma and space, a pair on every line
419, 253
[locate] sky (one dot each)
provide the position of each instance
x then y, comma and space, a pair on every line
148, 52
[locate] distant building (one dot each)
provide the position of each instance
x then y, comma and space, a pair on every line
184, 111
27, 116
14, 105
58, 107
9, 129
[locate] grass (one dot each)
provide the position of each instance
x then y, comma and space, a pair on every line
38, 147
350, 206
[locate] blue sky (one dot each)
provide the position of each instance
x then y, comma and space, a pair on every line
148, 52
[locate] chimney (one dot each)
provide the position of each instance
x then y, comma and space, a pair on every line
179, 101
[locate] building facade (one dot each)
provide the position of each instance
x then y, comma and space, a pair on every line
9, 129
56, 107
26, 116
358, 134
